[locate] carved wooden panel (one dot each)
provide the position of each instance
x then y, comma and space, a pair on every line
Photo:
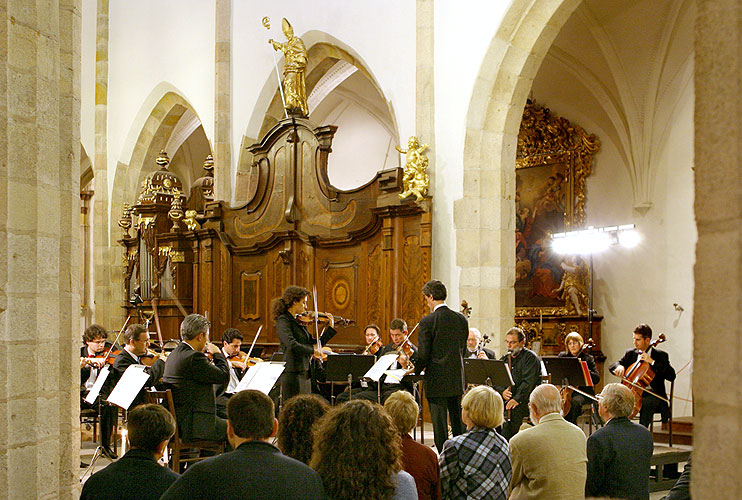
250, 295
374, 286
413, 279
340, 286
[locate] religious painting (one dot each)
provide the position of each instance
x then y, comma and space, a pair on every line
553, 160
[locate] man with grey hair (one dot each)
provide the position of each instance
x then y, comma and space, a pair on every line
618, 454
475, 347
548, 459
191, 376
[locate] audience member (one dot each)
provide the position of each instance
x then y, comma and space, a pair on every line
548, 459
476, 464
357, 452
681, 490
295, 422
618, 454
137, 475
255, 469
417, 459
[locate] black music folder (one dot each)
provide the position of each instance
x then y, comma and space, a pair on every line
492, 372
338, 367
566, 371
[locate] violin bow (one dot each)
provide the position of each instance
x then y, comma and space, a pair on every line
110, 349
253, 342
316, 318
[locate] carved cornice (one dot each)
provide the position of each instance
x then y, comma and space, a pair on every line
546, 138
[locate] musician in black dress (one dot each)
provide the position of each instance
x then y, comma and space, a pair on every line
297, 343
573, 342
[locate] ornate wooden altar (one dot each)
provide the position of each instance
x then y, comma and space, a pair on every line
367, 252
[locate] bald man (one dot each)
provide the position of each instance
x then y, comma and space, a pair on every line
549, 460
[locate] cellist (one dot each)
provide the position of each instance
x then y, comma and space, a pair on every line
660, 363
297, 343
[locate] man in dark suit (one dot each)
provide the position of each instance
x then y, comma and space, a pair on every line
136, 338
660, 363
472, 346
255, 469
191, 376
619, 453
442, 341
137, 475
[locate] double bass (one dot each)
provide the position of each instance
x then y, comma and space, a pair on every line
638, 377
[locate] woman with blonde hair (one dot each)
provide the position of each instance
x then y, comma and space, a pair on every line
573, 343
476, 464
357, 453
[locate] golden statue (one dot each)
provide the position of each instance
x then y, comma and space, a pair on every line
176, 210
415, 180
575, 282
190, 220
295, 65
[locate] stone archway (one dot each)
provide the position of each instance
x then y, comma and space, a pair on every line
158, 117
483, 217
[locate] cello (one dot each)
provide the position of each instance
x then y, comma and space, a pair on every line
638, 377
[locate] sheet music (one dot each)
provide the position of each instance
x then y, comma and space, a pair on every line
394, 376
381, 366
261, 376
99, 381
129, 386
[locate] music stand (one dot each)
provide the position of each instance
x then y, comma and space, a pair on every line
565, 371
347, 368
491, 372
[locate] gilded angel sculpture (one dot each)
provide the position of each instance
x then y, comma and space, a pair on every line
415, 179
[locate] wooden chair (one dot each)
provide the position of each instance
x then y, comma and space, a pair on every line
90, 416
180, 452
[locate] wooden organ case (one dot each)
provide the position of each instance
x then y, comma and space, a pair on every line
366, 251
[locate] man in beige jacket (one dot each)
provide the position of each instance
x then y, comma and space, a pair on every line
549, 460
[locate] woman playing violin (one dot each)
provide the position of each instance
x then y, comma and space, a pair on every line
297, 343
574, 344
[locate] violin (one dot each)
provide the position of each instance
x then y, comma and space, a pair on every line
149, 357
307, 318
101, 359
243, 358
638, 377
566, 391
373, 347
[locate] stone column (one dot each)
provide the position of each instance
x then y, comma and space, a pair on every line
717, 315
39, 248
223, 101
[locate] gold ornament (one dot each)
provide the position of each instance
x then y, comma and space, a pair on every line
190, 220
415, 179
294, 69
176, 211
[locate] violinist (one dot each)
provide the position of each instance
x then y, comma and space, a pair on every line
475, 346
406, 357
372, 337
231, 343
297, 343
574, 344
191, 376
660, 363
136, 339
92, 359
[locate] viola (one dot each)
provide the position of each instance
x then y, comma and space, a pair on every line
567, 391
638, 377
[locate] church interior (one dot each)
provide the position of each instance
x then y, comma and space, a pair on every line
152, 152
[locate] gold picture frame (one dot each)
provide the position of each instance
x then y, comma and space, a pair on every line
553, 160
